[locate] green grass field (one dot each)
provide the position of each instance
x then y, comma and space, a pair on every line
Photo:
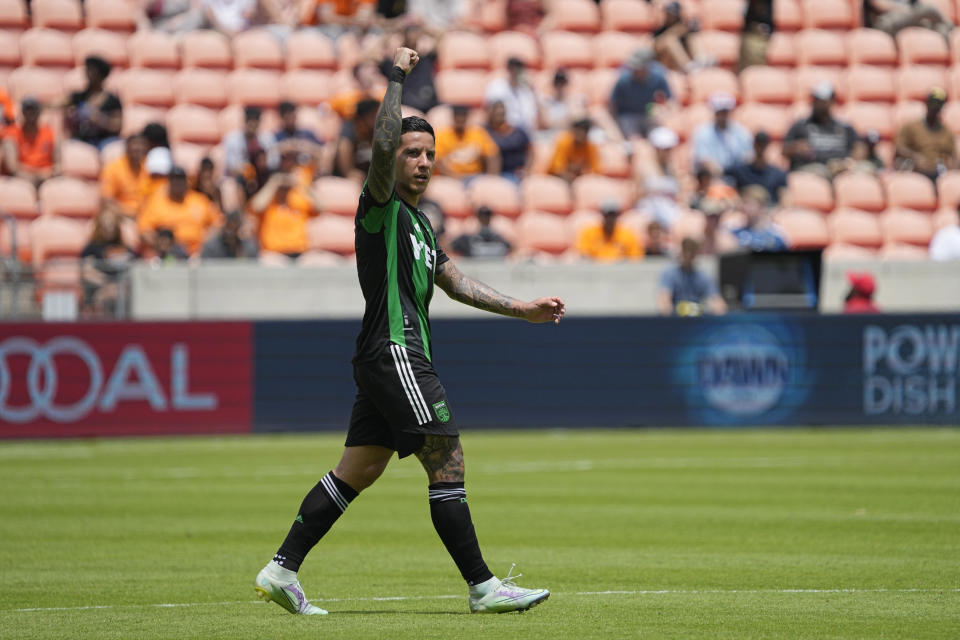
651, 534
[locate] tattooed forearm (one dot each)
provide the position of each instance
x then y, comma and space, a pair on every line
442, 458
386, 139
472, 292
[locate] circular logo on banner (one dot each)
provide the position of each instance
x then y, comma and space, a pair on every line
743, 370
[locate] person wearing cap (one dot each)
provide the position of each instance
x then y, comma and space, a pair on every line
93, 115
759, 233
608, 240
723, 143
516, 94
820, 143
673, 42
641, 86
759, 171
892, 16
573, 153
125, 180
284, 208
661, 188
464, 150
926, 145
685, 290
30, 149
560, 107
859, 298
174, 206
239, 147
483, 243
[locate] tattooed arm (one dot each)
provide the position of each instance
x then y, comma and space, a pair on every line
474, 293
386, 132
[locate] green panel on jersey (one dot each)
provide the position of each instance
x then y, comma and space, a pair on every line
394, 309
420, 281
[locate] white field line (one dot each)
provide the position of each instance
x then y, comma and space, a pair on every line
615, 592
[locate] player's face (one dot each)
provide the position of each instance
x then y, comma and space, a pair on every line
415, 160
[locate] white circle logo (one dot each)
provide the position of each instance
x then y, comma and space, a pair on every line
743, 370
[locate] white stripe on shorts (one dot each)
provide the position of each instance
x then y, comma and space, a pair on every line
419, 411
416, 387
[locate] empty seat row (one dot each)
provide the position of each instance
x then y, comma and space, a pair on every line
858, 190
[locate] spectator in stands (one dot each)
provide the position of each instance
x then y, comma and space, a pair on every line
685, 290
559, 108
573, 153
661, 189
229, 242
419, 91
93, 115
240, 148
517, 97
872, 161
711, 195
166, 249
658, 241
926, 145
303, 143
673, 41
513, 142
609, 241
485, 242
441, 15
125, 181
759, 171
355, 146
205, 182
466, 151
336, 17
230, 17
641, 86
860, 297
757, 28
369, 86
190, 215
893, 15
6, 109
155, 135
173, 16
106, 257
284, 209
945, 244
30, 149
821, 144
158, 164
759, 232
721, 144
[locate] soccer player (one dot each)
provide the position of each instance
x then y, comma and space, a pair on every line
400, 404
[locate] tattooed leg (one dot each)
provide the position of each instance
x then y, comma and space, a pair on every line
442, 459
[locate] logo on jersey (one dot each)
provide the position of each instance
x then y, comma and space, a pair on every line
443, 413
429, 253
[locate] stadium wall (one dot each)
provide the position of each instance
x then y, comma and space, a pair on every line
59, 380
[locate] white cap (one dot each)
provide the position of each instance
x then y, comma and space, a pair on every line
159, 161
722, 101
663, 138
822, 91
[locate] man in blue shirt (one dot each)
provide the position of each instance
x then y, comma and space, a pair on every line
685, 290
642, 85
760, 233
721, 144
759, 171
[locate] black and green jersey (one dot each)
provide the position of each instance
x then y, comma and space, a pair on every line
397, 257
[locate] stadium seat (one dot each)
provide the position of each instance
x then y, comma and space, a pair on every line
492, 16
827, 14
306, 86
62, 15
910, 110
685, 121
46, 48
462, 50
109, 45
206, 48
843, 252
871, 84
459, 86
781, 50
919, 46
18, 197
337, 195
858, 190
254, 87
955, 47
333, 233
150, 87
514, 44
810, 191
15, 238
689, 224
546, 193
257, 49
153, 49
113, 15
806, 78
768, 84
499, 194
679, 87
723, 15
865, 116
567, 49
787, 15
822, 48
44, 84
947, 8
722, 45
873, 47
614, 161
79, 160
205, 87
951, 116
628, 15
775, 120
592, 191
189, 155
614, 47
804, 228
948, 189
450, 194
57, 237
544, 232
946, 218
307, 49
193, 123
907, 226
574, 15
600, 83
910, 191
137, 116
901, 252
13, 16
9, 50
705, 82
914, 83
69, 197
851, 226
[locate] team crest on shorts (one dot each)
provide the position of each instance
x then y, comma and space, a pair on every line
440, 408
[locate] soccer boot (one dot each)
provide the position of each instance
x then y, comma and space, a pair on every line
507, 596
288, 595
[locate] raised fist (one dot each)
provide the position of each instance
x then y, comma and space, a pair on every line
406, 59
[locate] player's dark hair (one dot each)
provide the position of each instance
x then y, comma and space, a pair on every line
416, 123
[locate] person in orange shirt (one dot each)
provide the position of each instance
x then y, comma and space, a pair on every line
464, 151
6, 110
334, 17
284, 208
574, 154
125, 180
30, 149
189, 214
609, 241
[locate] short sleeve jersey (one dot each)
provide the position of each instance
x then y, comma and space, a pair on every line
397, 259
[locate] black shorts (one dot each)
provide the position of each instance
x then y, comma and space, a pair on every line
399, 401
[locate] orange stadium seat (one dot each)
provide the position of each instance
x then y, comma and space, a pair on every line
461, 86
492, 15
951, 116
337, 195
193, 123
614, 47
946, 218
46, 48
257, 87
953, 80
810, 191
206, 87
13, 16
864, 116
257, 49
922, 46
955, 46
463, 50
310, 50
18, 197
62, 15
767, 84
948, 189
787, 15
79, 160
544, 232
137, 116
451, 195
114, 15
910, 191
567, 49
546, 193
150, 87
44, 84
628, 15
705, 82
514, 44
57, 236
206, 48
827, 14
109, 45
723, 15
574, 15
306, 86
782, 50
600, 84
857, 190
775, 120
805, 228
685, 121
910, 110
901, 252
689, 224
872, 46
331, 233
843, 252
592, 191
9, 49
188, 155
499, 194
614, 161
679, 87
722, 45
820, 47
914, 83
907, 226
948, 8
153, 49
851, 226
871, 84
69, 197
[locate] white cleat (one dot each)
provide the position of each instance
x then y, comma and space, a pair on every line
506, 597
288, 595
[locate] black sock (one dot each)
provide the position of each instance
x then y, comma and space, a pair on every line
318, 511
451, 519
